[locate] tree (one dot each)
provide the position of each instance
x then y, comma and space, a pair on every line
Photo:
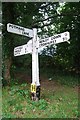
50, 18
7, 42
24, 14
70, 21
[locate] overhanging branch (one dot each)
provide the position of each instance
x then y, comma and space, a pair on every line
57, 15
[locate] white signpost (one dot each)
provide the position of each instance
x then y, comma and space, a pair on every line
27, 48
59, 38
19, 30
32, 46
23, 49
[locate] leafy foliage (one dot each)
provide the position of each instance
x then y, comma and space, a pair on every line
50, 18
68, 55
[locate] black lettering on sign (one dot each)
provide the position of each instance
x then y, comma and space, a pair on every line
46, 42
18, 50
64, 38
25, 33
51, 42
19, 28
10, 25
16, 27
54, 37
25, 50
46, 39
21, 47
41, 41
65, 34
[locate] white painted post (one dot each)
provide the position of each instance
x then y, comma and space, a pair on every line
37, 71
35, 86
37, 63
34, 56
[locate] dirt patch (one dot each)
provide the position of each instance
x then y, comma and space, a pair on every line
46, 84
49, 84
22, 78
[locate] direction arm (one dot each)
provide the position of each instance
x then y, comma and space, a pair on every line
59, 38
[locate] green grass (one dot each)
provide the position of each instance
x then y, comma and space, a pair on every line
61, 103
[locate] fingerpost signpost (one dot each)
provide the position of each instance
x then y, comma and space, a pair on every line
32, 46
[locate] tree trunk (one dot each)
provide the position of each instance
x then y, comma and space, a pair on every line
8, 17
7, 75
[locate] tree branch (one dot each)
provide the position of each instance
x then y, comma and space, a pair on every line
67, 14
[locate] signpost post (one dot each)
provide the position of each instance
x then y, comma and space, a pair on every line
35, 86
32, 46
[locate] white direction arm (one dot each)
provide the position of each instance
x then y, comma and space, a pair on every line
59, 38
19, 30
23, 49
27, 48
